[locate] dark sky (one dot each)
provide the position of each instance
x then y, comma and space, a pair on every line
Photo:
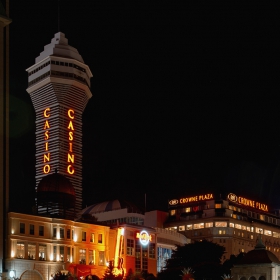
185, 98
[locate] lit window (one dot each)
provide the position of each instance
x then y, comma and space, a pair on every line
259, 230
91, 256
61, 252
238, 226
218, 205
233, 216
181, 228
130, 247
42, 252
268, 232
243, 227
92, 237
248, 229
189, 227
31, 251
198, 226
252, 236
82, 256
188, 209
207, 225
222, 231
262, 217
172, 212
231, 225
220, 224
101, 258
20, 250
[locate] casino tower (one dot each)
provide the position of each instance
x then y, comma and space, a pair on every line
59, 87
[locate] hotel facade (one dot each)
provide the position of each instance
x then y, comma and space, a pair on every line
232, 221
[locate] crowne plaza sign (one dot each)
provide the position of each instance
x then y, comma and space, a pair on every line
247, 202
189, 199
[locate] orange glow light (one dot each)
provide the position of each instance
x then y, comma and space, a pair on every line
70, 126
70, 169
47, 157
46, 169
71, 114
47, 125
70, 158
46, 115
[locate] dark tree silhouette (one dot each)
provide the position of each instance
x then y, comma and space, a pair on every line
228, 264
203, 257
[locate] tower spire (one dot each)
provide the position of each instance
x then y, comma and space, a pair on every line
58, 16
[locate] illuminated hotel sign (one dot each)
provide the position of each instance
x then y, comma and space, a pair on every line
70, 155
47, 155
189, 199
144, 237
247, 202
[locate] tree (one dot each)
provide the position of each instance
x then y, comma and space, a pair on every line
109, 273
228, 264
203, 257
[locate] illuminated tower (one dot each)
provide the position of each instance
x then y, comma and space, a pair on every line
59, 87
4, 127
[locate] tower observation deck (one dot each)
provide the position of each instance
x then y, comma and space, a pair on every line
59, 87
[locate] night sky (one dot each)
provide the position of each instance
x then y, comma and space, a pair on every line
185, 98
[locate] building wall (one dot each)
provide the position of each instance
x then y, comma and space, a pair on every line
63, 244
269, 271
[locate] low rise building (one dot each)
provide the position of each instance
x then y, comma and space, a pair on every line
40, 246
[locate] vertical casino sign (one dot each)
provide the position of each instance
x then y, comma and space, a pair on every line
70, 155
47, 155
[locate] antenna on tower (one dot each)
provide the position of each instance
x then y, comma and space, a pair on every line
58, 16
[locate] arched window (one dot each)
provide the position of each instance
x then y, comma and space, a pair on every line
262, 278
252, 278
242, 278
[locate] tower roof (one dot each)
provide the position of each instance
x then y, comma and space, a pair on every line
259, 255
59, 47
56, 188
112, 205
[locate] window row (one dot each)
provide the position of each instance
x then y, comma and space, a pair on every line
232, 225
59, 233
39, 68
58, 74
127, 220
34, 251
31, 229
61, 63
131, 248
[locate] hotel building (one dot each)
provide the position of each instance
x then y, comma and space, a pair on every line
232, 221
